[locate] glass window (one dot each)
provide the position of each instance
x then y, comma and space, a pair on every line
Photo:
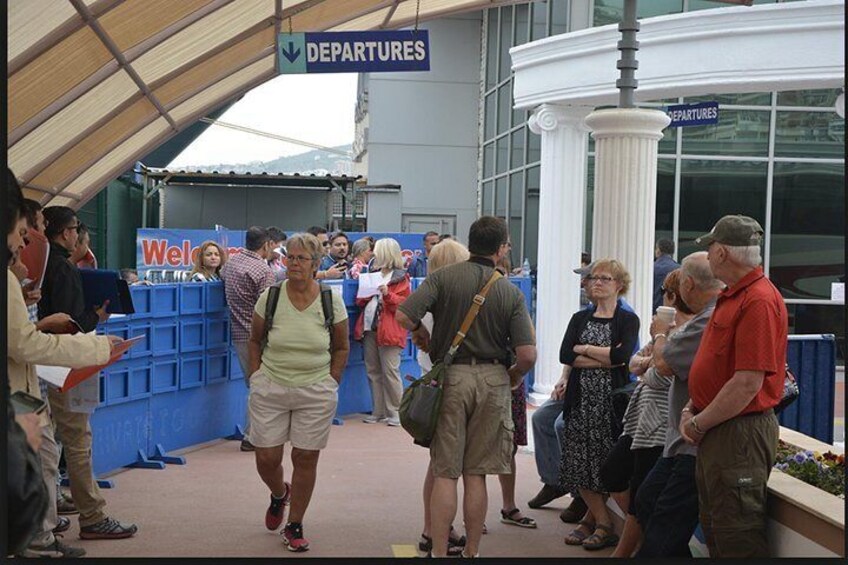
743, 99
491, 48
539, 26
712, 189
516, 199
819, 319
488, 160
738, 132
695, 5
559, 16
519, 117
815, 98
664, 221
809, 134
668, 143
808, 229
504, 106
488, 198
489, 126
534, 147
506, 42
502, 150
522, 23
611, 11
531, 216
517, 155
500, 197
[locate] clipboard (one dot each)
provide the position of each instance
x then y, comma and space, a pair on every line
66, 379
99, 285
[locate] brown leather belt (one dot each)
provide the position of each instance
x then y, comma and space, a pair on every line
475, 361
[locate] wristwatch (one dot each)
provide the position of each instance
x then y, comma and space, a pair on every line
657, 336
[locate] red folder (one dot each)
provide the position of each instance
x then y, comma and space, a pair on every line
76, 376
34, 257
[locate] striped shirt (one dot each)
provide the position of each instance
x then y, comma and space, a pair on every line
245, 276
646, 417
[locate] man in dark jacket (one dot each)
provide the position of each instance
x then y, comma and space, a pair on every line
664, 263
62, 292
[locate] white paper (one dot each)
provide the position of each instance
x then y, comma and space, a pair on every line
369, 284
837, 292
85, 396
53, 375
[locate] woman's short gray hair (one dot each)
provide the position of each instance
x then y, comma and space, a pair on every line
748, 255
360, 246
308, 243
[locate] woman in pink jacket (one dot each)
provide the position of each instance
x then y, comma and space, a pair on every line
382, 337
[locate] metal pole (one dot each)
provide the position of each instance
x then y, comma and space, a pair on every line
628, 64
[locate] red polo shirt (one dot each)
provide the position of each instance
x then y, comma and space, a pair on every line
747, 332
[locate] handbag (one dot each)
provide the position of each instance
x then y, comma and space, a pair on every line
791, 392
421, 402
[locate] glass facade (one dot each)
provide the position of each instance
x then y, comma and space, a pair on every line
775, 156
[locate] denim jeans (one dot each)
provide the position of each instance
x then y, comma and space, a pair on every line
547, 436
667, 507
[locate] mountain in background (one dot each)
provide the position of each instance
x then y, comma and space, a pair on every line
316, 162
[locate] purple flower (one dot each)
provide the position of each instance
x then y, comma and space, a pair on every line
799, 458
808, 453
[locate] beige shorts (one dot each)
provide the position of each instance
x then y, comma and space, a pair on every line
302, 415
475, 429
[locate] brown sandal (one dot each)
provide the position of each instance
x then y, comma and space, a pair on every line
576, 537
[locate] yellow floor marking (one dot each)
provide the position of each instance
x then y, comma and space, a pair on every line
404, 551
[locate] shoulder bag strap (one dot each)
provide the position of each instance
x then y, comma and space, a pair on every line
270, 310
479, 299
327, 307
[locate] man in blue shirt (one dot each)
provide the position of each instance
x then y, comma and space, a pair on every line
663, 265
418, 265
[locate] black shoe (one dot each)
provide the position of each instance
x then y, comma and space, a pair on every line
62, 526
546, 496
57, 549
575, 511
247, 446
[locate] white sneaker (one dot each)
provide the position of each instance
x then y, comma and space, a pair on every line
373, 419
394, 422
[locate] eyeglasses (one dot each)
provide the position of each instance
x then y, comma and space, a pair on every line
592, 278
299, 259
665, 290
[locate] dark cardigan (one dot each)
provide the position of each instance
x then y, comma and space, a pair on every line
624, 335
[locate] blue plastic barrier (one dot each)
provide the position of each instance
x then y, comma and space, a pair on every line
813, 360
183, 385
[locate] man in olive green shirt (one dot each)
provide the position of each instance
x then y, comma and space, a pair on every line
473, 435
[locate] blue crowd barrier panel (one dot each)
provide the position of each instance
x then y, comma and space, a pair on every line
192, 334
119, 431
217, 366
166, 375
192, 298
191, 370
217, 330
235, 366
142, 297
144, 348
166, 300
813, 360
140, 379
215, 300
166, 337
160, 455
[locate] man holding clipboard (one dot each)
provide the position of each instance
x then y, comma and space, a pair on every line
62, 291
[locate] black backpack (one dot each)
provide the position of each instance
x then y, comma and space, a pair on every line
271, 309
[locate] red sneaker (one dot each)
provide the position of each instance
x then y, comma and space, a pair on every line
293, 537
276, 510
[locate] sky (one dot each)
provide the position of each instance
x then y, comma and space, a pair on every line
318, 108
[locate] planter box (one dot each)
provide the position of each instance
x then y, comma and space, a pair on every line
804, 521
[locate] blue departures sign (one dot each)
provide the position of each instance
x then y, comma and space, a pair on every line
353, 52
701, 114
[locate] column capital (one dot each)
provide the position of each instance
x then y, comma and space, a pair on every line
627, 122
548, 117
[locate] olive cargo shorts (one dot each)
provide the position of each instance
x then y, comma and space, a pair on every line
732, 470
474, 431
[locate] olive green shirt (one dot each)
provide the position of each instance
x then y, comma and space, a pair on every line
502, 324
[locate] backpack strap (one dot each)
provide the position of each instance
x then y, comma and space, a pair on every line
270, 310
327, 307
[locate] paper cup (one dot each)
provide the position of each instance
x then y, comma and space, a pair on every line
666, 313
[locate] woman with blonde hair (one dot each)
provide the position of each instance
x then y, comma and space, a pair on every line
382, 336
597, 346
208, 262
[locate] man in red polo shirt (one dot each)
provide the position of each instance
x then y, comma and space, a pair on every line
735, 382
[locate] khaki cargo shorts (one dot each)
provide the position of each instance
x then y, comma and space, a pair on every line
475, 429
302, 415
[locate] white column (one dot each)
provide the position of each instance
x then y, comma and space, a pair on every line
626, 142
561, 213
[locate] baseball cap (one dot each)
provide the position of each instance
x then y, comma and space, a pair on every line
584, 271
733, 230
